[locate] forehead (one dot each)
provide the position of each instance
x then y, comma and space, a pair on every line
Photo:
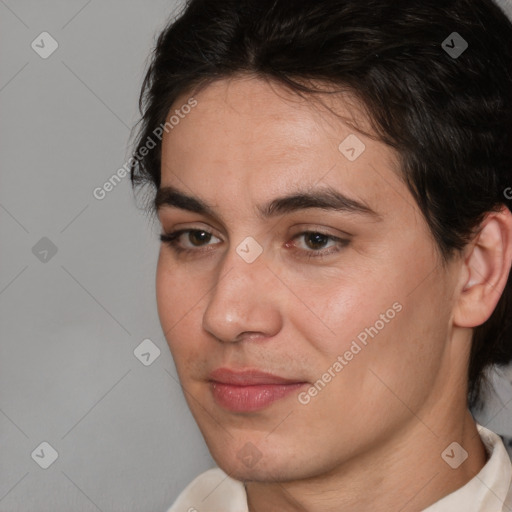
248, 138
259, 112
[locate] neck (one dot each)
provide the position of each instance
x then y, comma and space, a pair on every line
405, 473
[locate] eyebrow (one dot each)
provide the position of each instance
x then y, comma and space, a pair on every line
325, 198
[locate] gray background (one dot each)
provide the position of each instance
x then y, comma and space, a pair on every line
70, 321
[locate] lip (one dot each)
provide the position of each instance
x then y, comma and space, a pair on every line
248, 377
249, 390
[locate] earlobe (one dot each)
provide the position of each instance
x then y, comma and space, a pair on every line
485, 270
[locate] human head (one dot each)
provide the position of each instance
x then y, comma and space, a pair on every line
449, 119
256, 105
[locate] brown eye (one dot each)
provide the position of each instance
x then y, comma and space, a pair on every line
316, 241
316, 244
197, 238
194, 238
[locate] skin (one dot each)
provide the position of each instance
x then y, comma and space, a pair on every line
372, 439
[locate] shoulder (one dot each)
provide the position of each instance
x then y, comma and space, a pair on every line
214, 491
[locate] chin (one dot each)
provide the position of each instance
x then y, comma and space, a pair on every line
252, 464
259, 473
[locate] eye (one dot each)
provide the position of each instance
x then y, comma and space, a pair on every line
197, 237
316, 240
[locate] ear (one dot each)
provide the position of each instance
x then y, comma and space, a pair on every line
485, 270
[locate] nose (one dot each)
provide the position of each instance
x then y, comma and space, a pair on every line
243, 301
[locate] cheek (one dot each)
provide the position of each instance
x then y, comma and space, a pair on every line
180, 304
392, 354
362, 391
165, 293
174, 299
331, 309
388, 322
176, 290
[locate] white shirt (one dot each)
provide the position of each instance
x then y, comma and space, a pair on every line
489, 491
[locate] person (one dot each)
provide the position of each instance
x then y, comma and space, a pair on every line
332, 180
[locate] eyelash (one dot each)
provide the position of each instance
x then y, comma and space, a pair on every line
171, 239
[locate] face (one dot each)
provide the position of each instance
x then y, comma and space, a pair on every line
347, 305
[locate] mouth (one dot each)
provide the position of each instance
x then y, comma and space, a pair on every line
249, 390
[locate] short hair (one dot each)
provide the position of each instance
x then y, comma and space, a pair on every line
448, 115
